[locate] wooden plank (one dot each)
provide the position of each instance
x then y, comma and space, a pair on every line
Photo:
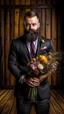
60, 94
2, 2
48, 2
43, 2
27, 10
12, 18
2, 44
33, 110
43, 23
21, 18
3, 95
56, 106
39, 2
53, 79
22, 2
48, 23
7, 108
54, 40
8, 105
2, 92
5, 99
12, 2
54, 29
38, 11
59, 34
6, 2
27, 2
13, 109
52, 111
33, 2
0, 50
16, 2
8, 102
16, 23
7, 41
49, 79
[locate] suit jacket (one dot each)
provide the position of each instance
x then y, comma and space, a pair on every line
19, 57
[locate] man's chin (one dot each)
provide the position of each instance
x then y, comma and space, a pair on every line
31, 37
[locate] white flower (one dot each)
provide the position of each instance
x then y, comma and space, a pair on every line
40, 67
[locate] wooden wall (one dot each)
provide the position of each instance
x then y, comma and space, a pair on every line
11, 26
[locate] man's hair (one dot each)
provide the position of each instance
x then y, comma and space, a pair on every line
30, 14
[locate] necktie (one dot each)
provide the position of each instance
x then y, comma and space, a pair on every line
32, 48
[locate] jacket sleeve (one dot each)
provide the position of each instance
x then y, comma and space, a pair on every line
13, 64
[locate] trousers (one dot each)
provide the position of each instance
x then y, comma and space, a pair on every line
41, 107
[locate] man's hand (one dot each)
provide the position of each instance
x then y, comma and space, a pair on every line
32, 81
43, 77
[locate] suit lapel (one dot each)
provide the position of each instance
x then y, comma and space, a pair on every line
41, 47
27, 54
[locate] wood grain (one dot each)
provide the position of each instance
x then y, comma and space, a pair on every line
8, 102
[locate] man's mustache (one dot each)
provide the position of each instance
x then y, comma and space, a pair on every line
32, 31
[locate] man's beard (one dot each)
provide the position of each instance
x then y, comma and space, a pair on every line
31, 35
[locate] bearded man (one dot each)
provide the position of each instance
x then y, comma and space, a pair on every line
22, 50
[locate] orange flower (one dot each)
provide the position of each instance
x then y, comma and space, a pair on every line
33, 59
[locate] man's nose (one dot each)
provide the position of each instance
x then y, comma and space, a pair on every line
31, 27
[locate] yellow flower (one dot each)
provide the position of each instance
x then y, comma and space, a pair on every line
43, 58
42, 41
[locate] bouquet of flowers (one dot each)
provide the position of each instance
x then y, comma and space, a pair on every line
40, 66
37, 66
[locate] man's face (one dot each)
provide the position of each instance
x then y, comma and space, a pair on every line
31, 28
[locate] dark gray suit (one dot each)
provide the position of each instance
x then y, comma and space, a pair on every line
19, 57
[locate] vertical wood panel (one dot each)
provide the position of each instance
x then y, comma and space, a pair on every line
43, 23
21, 29
59, 33
7, 42
39, 2
43, 2
22, 2
38, 11
16, 2
33, 2
16, 23
2, 44
27, 2
6, 2
54, 28
2, 2
53, 79
12, 16
48, 2
12, 2
48, 23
